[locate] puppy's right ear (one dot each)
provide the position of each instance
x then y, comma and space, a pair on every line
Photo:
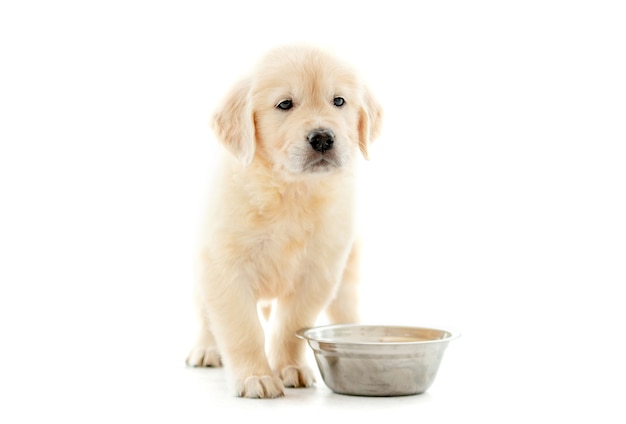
233, 123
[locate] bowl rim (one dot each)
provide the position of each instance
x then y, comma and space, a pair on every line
304, 334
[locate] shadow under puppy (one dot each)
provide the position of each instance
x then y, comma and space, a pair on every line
281, 222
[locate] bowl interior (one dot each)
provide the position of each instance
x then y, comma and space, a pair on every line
375, 334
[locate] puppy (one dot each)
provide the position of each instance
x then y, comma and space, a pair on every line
281, 224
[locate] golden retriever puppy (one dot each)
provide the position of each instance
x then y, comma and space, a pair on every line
281, 222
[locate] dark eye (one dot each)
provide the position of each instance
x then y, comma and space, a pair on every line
285, 105
339, 101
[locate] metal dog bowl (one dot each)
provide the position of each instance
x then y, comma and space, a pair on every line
377, 360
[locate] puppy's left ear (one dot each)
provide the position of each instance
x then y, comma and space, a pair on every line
233, 123
370, 121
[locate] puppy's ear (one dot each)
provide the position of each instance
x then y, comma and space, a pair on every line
370, 121
233, 123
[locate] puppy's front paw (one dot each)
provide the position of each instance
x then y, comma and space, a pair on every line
261, 387
203, 356
293, 376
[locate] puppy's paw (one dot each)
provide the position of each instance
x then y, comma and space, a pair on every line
294, 376
203, 356
261, 387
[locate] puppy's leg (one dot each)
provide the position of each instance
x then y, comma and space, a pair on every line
295, 311
286, 351
239, 333
205, 352
344, 309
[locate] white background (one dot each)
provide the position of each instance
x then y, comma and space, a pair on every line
493, 202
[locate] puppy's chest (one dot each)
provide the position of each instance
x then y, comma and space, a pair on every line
288, 225
289, 235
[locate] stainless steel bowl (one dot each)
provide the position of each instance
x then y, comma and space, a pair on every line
377, 360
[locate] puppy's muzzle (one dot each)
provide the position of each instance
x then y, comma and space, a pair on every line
321, 140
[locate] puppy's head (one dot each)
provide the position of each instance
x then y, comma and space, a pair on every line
301, 111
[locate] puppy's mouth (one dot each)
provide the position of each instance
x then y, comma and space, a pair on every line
320, 162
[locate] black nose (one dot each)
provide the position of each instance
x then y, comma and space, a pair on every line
321, 140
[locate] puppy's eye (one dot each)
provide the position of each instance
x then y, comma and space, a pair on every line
285, 105
339, 101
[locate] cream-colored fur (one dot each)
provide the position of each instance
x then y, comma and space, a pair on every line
281, 224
